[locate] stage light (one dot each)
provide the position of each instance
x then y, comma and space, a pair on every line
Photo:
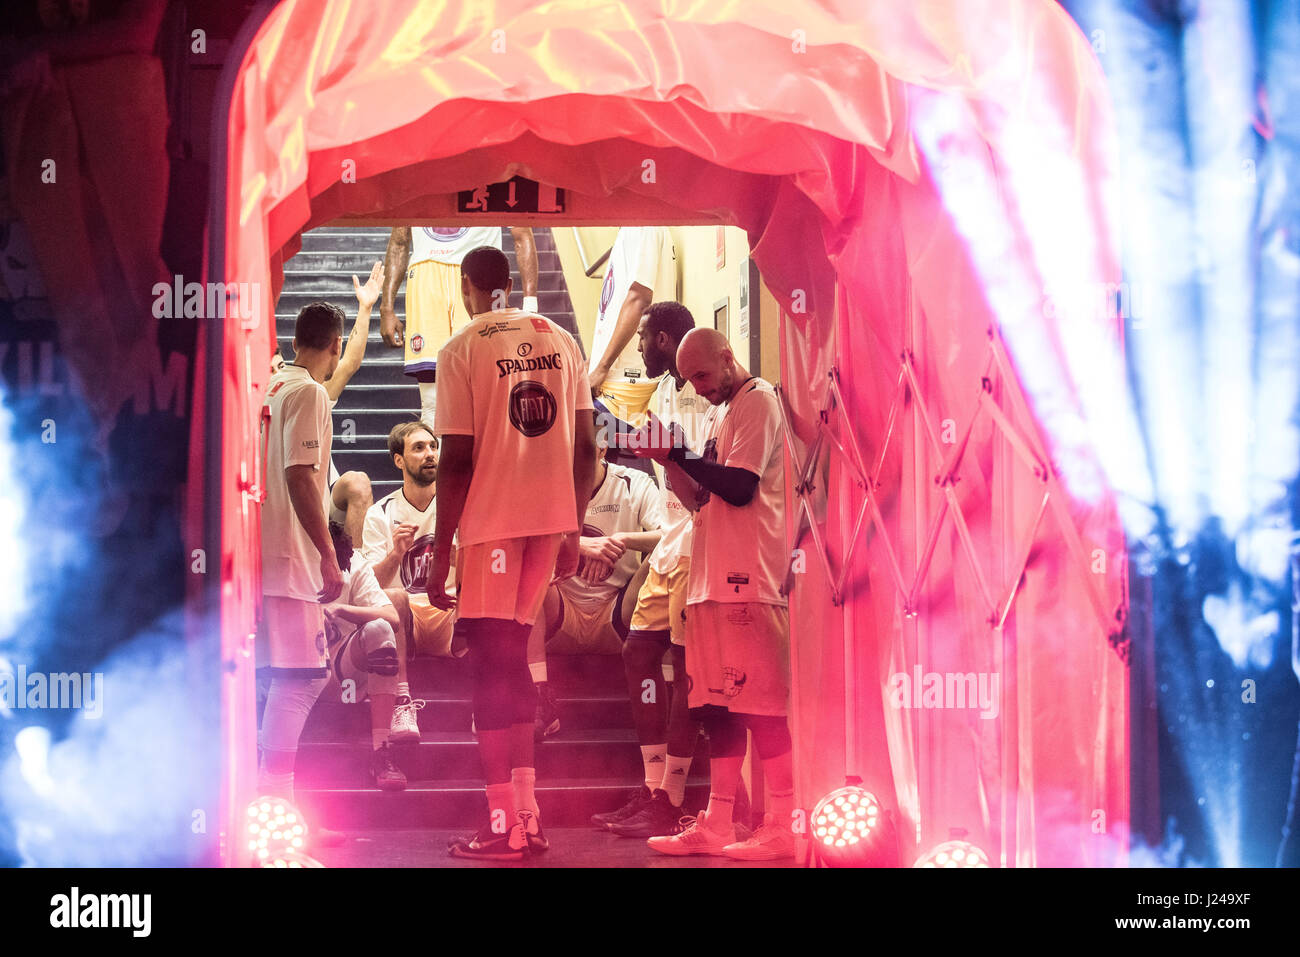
849, 828
275, 831
953, 854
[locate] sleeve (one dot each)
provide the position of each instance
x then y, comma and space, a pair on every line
650, 512
301, 415
376, 536
756, 431
366, 590
581, 390
455, 412
650, 243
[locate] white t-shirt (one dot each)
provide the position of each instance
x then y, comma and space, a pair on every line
627, 501
688, 410
296, 430
644, 255
513, 380
740, 554
377, 541
359, 588
449, 244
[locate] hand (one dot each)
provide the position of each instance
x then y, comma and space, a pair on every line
566, 561
435, 585
390, 327
403, 537
596, 379
333, 579
600, 549
653, 441
369, 294
594, 570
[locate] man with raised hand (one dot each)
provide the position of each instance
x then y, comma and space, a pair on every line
737, 622
515, 473
429, 259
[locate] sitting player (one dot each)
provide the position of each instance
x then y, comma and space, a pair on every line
590, 612
360, 632
397, 540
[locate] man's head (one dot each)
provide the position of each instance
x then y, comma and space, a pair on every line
662, 329
704, 359
342, 545
318, 334
415, 452
277, 362
485, 280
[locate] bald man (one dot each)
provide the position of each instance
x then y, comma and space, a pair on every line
737, 622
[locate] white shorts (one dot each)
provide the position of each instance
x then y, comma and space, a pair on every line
507, 578
295, 631
738, 657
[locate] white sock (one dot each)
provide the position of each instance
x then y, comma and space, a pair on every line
403, 691
782, 804
675, 770
524, 781
719, 813
501, 806
652, 757
538, 670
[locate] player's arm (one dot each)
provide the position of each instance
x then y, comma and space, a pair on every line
364, 614
310, 510
734, 485
629, 317
526, 257
396, 259
455, 469
355, 350
649, 517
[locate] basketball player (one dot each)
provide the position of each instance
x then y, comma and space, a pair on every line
642, 266
360, 632
300, 571
517, 456
398, 544
664, 727
590, 612
737, 624
433, 300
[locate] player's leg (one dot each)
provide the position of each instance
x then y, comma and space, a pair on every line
766, 637
299, 671
714, 828
405, 726
428, 402
683, 732
490, 657
352, 495
369, 659
547, 720
536, 569
490, 576
643, 652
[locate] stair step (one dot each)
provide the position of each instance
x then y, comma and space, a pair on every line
443, 755
333, 721
565, 802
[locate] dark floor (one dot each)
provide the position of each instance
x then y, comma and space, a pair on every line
570, 847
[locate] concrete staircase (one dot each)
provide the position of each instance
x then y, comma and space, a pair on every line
589, 766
